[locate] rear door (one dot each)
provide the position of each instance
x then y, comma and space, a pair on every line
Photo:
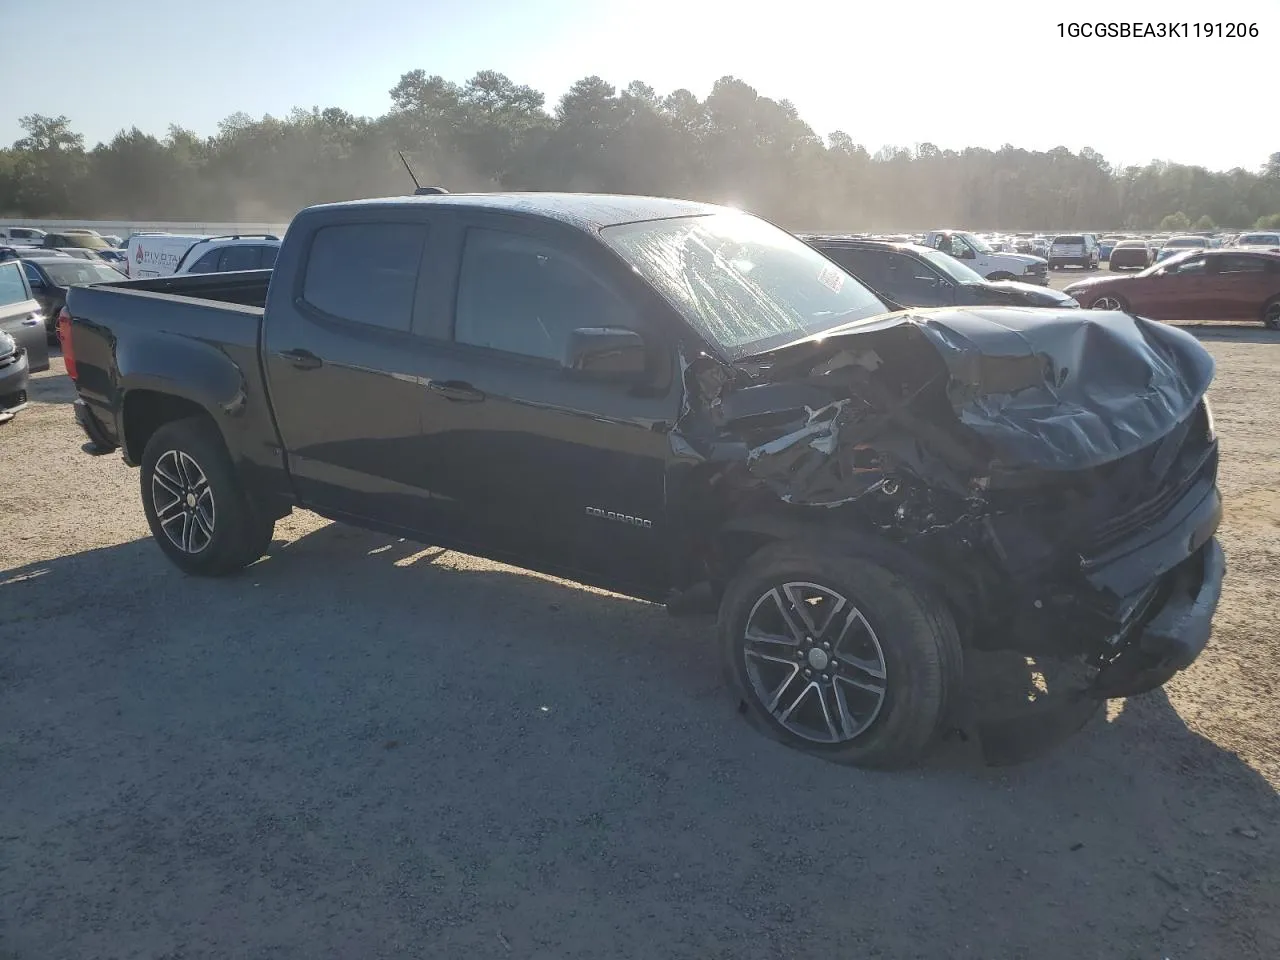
1240, 284
345, 367
20, 315
537, 467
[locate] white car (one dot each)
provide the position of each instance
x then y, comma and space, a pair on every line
22, 236
1258, 241
1080, 249
220, 254
980, 256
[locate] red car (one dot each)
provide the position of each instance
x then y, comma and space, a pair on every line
1195, 285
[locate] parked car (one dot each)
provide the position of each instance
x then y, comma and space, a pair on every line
51, 277
1194, 285
112, 239
21, 319
1178, 244
114, 258
22, 236
665, 397
919, 276
13, 377
223, 254
989, 263
17, 253
1074, 249
1265, 241
84, 253
85, 239
1107, 244
1131, 255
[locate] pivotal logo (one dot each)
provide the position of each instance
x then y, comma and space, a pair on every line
138, 256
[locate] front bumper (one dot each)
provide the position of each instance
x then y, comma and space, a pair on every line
1039, 279
14, 374
1175, 635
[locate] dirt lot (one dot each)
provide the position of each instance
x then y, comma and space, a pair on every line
363, 748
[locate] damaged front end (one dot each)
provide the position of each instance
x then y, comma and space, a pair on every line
1055, 473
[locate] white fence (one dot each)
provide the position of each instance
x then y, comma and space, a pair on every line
122, 228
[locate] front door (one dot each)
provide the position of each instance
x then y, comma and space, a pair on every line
20, 316
345, 368
1177, 292
546, 470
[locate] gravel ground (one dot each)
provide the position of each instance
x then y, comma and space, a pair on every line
364, 748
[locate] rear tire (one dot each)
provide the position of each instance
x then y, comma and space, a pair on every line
886, 625
1271, 314
196, 506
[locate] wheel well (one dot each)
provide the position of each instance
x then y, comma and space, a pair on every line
146, 411
736, 544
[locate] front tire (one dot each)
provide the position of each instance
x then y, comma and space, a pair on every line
1109, 303
838, 656
197, 508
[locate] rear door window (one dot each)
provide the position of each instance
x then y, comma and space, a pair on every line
1235, 263
242, 257
267, 257
12, 288
365, 272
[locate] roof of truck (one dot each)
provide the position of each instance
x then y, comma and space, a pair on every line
583, 210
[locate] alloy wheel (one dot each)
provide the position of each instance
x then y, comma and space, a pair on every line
814, 662
183, 501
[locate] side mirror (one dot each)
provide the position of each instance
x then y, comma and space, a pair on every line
36, 285
606, 353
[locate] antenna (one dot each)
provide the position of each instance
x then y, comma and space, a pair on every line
416, 184
418, 189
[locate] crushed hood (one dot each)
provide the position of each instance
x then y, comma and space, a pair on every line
1042, 389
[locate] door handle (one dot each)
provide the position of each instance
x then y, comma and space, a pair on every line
302, 359
456, 390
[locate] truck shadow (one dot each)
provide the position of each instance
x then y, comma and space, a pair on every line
597, 731
52, 385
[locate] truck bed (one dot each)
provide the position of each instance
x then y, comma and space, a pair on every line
243, 287
188, 326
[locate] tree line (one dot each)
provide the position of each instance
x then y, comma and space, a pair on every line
491, 133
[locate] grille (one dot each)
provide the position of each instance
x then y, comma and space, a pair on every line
1194, 461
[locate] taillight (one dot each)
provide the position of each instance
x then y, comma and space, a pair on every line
64, 338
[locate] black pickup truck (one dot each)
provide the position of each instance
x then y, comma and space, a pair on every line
679, 401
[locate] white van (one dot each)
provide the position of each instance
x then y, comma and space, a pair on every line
156, 254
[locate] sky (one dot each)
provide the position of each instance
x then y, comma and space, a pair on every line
954, 73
